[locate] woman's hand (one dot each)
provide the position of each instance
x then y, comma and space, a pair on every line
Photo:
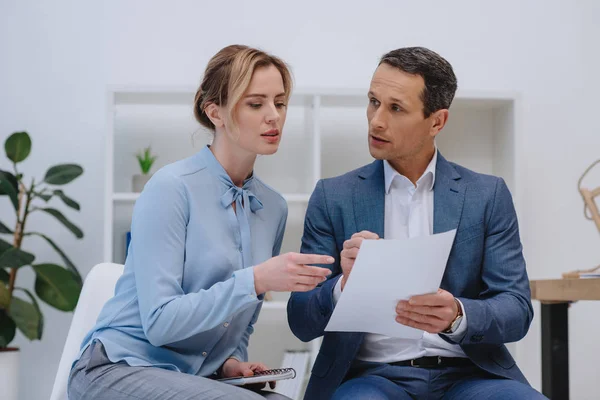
290, 272
233, 368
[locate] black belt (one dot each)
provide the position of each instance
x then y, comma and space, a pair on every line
435, 362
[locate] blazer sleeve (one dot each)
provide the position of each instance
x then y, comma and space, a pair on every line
309, 312
503, 311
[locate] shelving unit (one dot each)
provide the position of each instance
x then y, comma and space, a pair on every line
325, 135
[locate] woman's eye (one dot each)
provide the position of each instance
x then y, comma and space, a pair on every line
280, 105
255, 105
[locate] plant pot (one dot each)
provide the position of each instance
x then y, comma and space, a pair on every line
139, 181
9, 373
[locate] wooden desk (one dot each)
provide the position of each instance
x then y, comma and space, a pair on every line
555, 296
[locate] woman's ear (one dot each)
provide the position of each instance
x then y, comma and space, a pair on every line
214, 113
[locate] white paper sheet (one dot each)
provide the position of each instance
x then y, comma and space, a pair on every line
385, 272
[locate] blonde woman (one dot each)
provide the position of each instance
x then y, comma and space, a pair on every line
206, 235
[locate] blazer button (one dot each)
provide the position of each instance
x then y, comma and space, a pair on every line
204, 354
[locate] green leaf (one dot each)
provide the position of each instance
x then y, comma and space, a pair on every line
27, 317
4, 228
15, 258
45, 197
10, 187
59, 216
4, 246
18, 146
37, 307
67, 200
56, 286
70, 266
4, 295
7, 329
4, 276
63, 174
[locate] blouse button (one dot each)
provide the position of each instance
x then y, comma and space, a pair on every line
204, 354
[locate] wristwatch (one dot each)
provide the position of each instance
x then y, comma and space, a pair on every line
456, 322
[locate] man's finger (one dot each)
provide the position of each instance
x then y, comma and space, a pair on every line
366, 235
421, 318
434, 311
435, 299
424, 327
349, 253
300, 258
352, 243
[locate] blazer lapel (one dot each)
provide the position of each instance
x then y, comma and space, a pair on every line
448, 197
369, 199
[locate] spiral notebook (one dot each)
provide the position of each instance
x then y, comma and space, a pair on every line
270, 375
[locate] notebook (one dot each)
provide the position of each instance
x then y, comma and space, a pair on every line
270, 375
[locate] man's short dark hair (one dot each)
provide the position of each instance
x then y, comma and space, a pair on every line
440, 81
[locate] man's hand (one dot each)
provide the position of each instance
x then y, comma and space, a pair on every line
350, 251
233, 368
432, 313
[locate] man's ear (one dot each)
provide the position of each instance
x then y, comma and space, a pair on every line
439, 119
214, 113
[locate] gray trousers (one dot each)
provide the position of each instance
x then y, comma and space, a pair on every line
95, 377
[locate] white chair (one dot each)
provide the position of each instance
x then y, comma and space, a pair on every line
98, 288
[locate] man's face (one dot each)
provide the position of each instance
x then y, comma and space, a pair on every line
398, 130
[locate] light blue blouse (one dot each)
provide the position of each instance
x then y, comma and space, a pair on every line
186, 301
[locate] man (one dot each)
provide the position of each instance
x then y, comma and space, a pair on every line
411, 190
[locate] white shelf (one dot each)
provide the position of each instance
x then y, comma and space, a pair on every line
132, 197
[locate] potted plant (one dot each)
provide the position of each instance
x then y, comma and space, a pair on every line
58, 286
145, 159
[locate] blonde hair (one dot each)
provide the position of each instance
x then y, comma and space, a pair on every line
228, 75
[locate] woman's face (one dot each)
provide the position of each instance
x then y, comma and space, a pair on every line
260, 113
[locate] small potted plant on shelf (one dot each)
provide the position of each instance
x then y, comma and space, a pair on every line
146, 160
56, 285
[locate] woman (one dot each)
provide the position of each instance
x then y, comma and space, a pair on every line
206, 235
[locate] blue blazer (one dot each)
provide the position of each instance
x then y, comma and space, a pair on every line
485, 269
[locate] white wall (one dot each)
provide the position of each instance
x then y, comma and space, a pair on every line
56, 59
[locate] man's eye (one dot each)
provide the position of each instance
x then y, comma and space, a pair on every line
374, 102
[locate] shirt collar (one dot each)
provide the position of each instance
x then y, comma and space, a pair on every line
215, 167
428, 176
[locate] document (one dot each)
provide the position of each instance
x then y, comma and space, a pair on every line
385, 272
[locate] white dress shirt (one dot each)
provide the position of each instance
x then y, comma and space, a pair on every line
408, 214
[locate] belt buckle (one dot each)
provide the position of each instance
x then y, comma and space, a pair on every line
412, 362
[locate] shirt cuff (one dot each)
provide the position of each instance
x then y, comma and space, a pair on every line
461, 330
337, 291
246, 281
